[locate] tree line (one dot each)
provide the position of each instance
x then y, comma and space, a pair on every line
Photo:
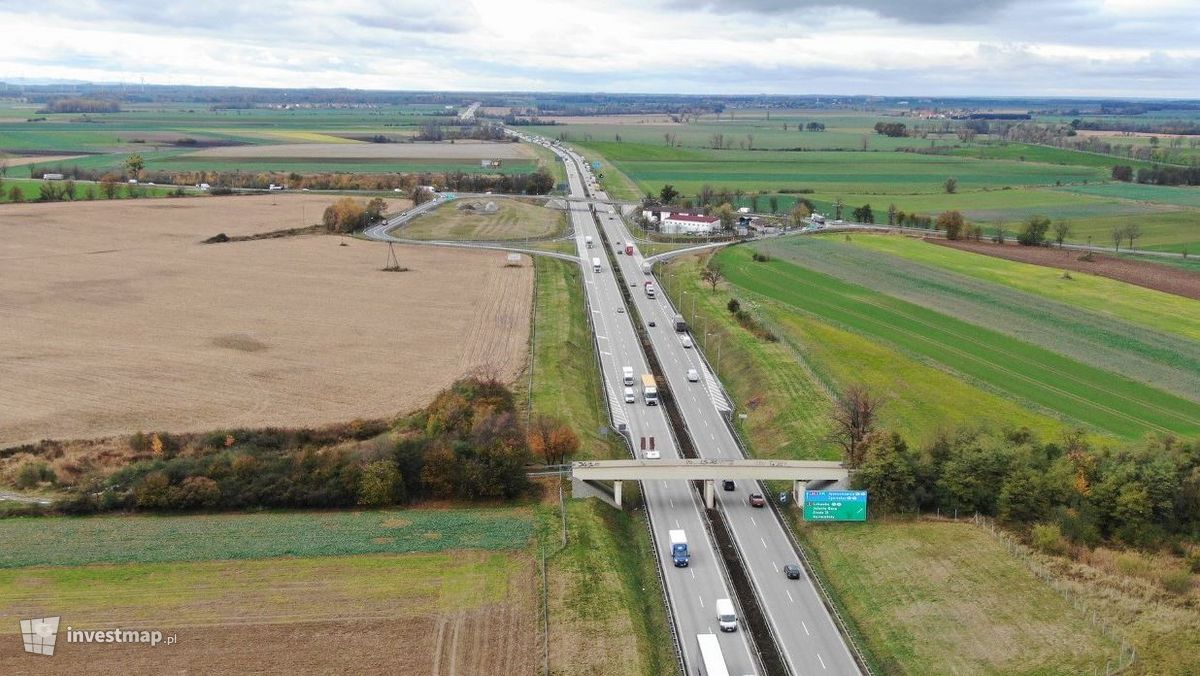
81, 105
468, 444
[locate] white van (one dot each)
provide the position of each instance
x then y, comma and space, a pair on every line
726, 615
630, 397
627, 373
687, 340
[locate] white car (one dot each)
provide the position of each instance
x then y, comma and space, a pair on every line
651, 455
630, 397
686, 340
693, 376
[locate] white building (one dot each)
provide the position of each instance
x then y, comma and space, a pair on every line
688, 224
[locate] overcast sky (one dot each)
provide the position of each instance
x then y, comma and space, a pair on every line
1144, 48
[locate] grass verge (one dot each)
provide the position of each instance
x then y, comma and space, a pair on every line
935, 597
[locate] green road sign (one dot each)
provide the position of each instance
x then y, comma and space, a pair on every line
835, 505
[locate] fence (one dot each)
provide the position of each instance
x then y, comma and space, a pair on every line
1127, 654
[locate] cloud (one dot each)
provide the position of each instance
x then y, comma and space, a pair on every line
906, 11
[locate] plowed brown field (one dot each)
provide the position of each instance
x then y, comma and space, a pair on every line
113, 319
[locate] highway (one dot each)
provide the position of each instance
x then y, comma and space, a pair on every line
693, 590
806, 633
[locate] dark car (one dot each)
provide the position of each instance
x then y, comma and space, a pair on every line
727, 484
792, 571
652, 324
757, 500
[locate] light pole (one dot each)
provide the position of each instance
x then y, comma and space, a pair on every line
718, 335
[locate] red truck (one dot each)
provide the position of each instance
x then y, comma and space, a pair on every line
628, 249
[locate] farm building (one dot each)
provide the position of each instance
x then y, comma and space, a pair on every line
690, 224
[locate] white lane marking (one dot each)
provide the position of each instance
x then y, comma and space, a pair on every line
822, 661
802, 624
790, 596
775, 566
764, 542
677, 523
693, 571
701, 600
672, 502
606, 353
753, 522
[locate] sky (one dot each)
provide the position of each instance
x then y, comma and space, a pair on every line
1118, 48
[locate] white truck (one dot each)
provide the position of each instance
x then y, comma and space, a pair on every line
627, 375
647, 268
649, 289
587, 240
649, 390
726, 615
595, 264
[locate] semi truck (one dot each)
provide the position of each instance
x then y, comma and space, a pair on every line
680, 325
712, 661
595, 264
679, 549
649, 390
587, 240
649, 289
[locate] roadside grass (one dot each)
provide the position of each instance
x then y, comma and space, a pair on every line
606, 610
514, 219
1145, 307
73, 541
289, 589
566, 382
935, 597
1017, 369
1156, 194
1158, 359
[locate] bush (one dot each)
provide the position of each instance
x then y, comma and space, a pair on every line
1034, 231
380, 484
1178, 581
1047, 538
34, 473
734, 306
952, 222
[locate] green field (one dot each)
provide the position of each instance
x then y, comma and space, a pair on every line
784, 388
1163, 312
1152, 357
1020, 370
946, 598
31, 190
67, 541
513, 220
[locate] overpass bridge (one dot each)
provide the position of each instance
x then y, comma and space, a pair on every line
799, 472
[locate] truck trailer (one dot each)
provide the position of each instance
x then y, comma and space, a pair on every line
680, 325
587, 240
595, 264
649, 390
679, 548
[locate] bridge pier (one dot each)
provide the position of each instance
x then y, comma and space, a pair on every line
798, 487
617, 493
710, 493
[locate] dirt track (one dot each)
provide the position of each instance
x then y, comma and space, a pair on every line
114, 319
1150, 275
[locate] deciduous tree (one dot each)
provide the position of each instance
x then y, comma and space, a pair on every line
712, 275
854, 416
952, 222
